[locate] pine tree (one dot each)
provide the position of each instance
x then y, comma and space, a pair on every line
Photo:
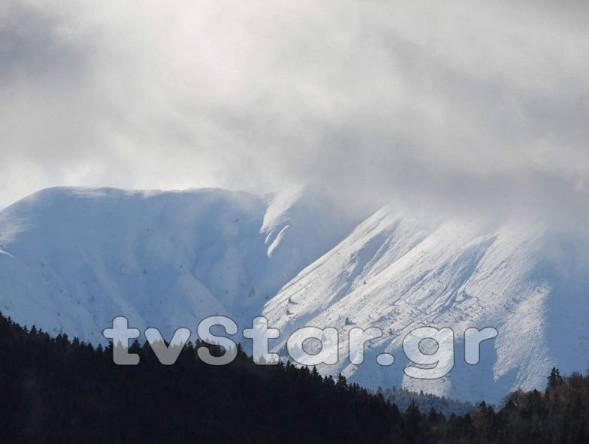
554, 380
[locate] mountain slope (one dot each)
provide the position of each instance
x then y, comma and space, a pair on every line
72, 259
398, 273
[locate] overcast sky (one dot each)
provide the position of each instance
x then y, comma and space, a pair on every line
461, 104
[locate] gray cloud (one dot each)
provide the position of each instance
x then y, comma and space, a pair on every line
454, 105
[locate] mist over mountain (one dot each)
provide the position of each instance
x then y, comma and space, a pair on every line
453, 106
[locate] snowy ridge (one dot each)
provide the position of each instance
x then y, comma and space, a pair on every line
75, 258
71, 259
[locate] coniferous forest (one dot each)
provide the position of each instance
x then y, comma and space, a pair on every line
57, 390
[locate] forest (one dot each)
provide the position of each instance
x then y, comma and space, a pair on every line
60, 390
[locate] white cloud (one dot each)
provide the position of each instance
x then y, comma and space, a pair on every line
458, 104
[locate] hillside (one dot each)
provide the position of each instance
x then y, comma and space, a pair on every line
55, 390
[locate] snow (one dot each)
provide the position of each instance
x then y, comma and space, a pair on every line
72, 259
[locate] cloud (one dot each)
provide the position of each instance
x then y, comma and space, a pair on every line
450, 105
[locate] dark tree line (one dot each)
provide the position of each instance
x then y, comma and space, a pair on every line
57, 390
403, 398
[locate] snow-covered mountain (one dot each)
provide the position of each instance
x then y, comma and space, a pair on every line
71, 259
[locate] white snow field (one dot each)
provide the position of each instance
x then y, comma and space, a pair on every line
71, 259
